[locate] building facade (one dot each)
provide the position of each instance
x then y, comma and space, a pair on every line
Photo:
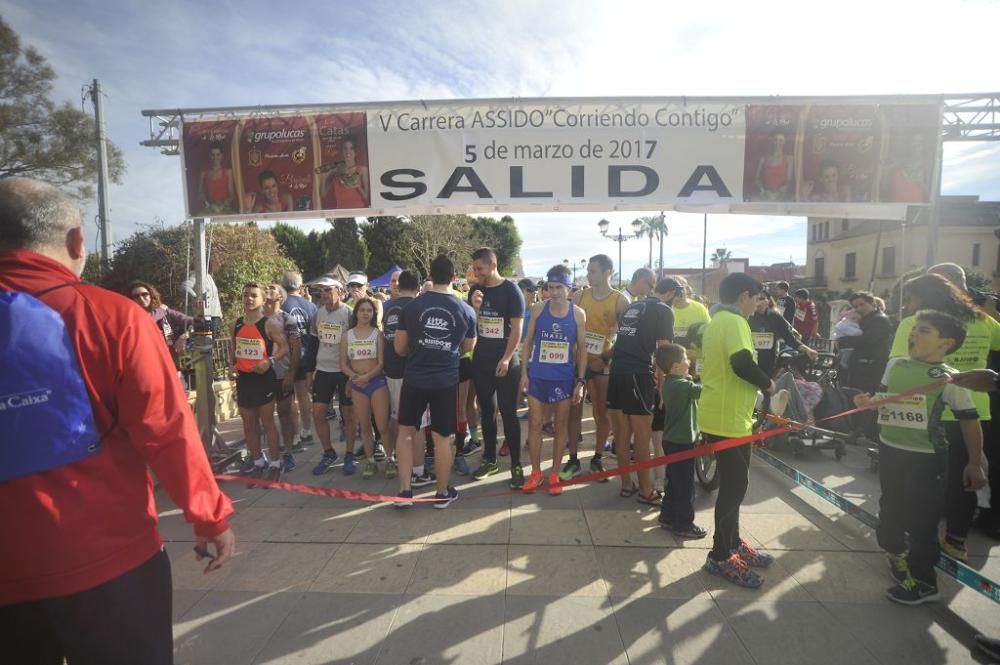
846, 255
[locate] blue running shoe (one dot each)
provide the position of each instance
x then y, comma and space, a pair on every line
348, 464
404, 494
246, 465
461, 467
326, 462
752, 557
735, 570
442, 501
287, 462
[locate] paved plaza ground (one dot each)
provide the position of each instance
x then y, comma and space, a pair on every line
583, 578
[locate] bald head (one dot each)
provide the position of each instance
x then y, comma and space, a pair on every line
35, 215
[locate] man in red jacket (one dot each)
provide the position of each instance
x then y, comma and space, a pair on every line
83, 572
806, 321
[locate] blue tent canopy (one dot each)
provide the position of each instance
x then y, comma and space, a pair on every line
382, 281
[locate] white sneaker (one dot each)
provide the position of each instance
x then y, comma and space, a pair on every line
779, 402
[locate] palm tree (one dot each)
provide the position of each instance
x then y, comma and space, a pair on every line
650, 227
720, 256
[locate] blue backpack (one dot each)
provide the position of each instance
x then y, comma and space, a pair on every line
46, 418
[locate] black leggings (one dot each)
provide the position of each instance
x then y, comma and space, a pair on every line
959, 503
487, 384
123, 621
734, 477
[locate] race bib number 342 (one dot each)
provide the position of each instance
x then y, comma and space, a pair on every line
491, 327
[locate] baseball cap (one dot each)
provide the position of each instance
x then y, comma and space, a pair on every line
527, 285
327, 281
357, 278
668, 284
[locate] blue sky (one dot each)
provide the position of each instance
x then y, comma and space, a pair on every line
199, 54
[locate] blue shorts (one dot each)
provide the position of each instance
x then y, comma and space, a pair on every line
550, 392
369, 388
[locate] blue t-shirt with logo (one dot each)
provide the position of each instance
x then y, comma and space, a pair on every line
302, 313
395, 364
437, 324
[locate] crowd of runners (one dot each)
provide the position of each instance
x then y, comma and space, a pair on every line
408, 384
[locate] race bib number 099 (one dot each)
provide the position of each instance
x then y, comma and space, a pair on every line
554, 352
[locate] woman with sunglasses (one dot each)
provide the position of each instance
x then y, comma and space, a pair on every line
173, 325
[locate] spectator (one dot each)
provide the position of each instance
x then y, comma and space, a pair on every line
866, 364
83, 571
806, 322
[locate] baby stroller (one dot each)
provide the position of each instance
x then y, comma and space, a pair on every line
814, 394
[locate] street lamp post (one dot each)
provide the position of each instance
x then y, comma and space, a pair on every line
582, 265
620, 238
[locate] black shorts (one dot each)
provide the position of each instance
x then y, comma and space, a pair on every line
326, 384
279, 390
632, 394
464, 369
253, 390
302, 372
659, 412
443, 404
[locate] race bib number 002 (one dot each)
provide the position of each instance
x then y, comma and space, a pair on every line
249, 349
595, 344
491, 327
361, 349
910, 413
554, 352
329, 333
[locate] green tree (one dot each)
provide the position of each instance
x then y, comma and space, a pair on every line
38, 138
385, 239
292, 241
344, 245
720, 256
500, 235
157, 256
314, 255
429, 235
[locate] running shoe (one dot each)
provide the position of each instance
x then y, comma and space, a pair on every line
287, 462
247, 465
609, 445
461, 466
534, 481
487, 468
690, 532
404, 494
424, 479
597, 466
359, 452
549, 429
735, 570
752, 557
369, 470
571, 469
988, 645
326, 462
899, 568
273, 473
442, 501
913, 592
956, 551
302, 441
391, 471
472, 446
379, 452
516, 477
504, 449
348, 464
555, 487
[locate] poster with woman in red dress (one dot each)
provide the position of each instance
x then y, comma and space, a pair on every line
908, 156
209, 175
771, 153
342, 172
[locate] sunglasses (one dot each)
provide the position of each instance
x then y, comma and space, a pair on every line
141, 294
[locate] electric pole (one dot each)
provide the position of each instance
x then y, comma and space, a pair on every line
103, 205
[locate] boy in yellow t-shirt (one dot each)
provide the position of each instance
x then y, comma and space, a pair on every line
731, 379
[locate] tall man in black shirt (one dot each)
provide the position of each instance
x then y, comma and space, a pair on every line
786, 303
645, 325
499, 308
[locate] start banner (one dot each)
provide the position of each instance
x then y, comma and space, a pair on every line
833, 158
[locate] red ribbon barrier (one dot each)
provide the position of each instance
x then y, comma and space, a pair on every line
695, 451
